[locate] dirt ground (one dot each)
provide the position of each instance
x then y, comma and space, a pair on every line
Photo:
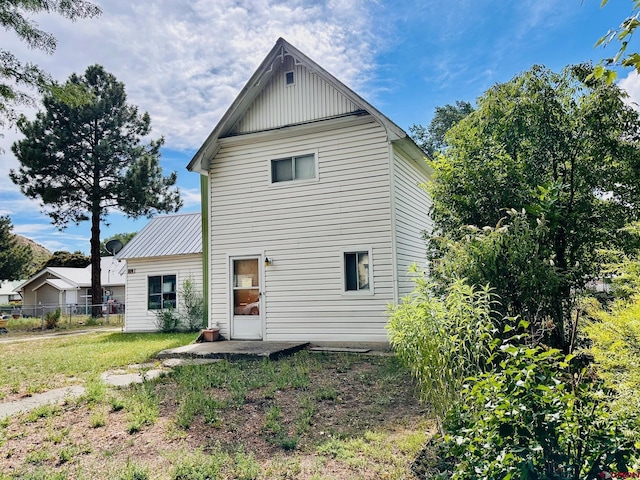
357, 419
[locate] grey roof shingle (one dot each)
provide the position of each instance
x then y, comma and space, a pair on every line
165, 236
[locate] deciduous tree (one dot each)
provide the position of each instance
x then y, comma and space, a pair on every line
564, 148
83, 161
432, 138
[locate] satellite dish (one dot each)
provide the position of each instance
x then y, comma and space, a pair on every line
114, 246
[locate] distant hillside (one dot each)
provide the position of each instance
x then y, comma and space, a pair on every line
40, 254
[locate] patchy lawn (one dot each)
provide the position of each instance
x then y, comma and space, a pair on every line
41, 364
310, 416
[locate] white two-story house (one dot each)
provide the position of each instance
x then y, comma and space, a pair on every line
314, 208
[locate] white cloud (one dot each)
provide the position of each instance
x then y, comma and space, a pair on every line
631, 84
184, 62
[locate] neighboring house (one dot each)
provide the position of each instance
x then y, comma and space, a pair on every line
8, 292
70, 287
165, 253
314, 208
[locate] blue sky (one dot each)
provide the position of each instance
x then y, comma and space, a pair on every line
184, 62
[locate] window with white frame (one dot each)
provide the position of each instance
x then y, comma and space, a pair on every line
162, 292
357, 271
302, 167
289, 78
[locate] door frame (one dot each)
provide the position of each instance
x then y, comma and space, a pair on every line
230, 290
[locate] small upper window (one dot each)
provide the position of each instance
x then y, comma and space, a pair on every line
293, 168
356, 271
289, 79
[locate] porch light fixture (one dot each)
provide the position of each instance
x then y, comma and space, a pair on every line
267, 262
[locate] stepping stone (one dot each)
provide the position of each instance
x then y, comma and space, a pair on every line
126, 379
56, 396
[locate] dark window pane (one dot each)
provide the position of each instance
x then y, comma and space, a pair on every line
289, 78
351, 271
155, 284
281, 170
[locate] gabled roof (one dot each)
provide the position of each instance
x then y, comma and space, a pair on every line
8, 287
66, 278
166, 236
258, 81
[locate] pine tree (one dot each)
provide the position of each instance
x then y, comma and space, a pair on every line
84, 160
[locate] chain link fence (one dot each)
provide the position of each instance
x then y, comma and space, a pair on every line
32, 316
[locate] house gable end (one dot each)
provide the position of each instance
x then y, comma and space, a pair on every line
315, 94
294, 94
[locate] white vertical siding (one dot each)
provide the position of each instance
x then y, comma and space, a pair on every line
304, 227
137, 317
309, 98
412, 219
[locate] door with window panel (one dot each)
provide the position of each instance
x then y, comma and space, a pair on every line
246, 304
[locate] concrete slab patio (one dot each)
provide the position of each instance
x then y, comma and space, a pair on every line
234, 350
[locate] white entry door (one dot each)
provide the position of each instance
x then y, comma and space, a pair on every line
246, 298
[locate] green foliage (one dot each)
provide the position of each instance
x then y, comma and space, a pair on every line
199, 466
142, 407
517, 260
615, 346
193, 306
84, 161
533, 417
432, 138
52, 318
133, 471
622, 35
167, 320
559, 146
623, 268
66, 259
15, 75
442, 340
14, 259
123, 237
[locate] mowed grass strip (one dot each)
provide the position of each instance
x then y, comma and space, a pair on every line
42, 364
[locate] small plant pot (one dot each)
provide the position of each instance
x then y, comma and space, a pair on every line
210, 334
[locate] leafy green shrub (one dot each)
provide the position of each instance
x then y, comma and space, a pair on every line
167, 320
52, 319
615, 346
516, 259
193, 304
533, 417
442, 340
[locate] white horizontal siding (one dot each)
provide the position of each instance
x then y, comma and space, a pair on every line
137, 317
309, 98
304, 227
412, 204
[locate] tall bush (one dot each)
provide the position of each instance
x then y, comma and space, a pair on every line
615, 346
514, 258
442, 340
193, 306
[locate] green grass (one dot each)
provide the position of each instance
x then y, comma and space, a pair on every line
309, 416
24, 325
42, 364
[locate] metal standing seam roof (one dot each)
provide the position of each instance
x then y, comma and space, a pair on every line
166, 236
